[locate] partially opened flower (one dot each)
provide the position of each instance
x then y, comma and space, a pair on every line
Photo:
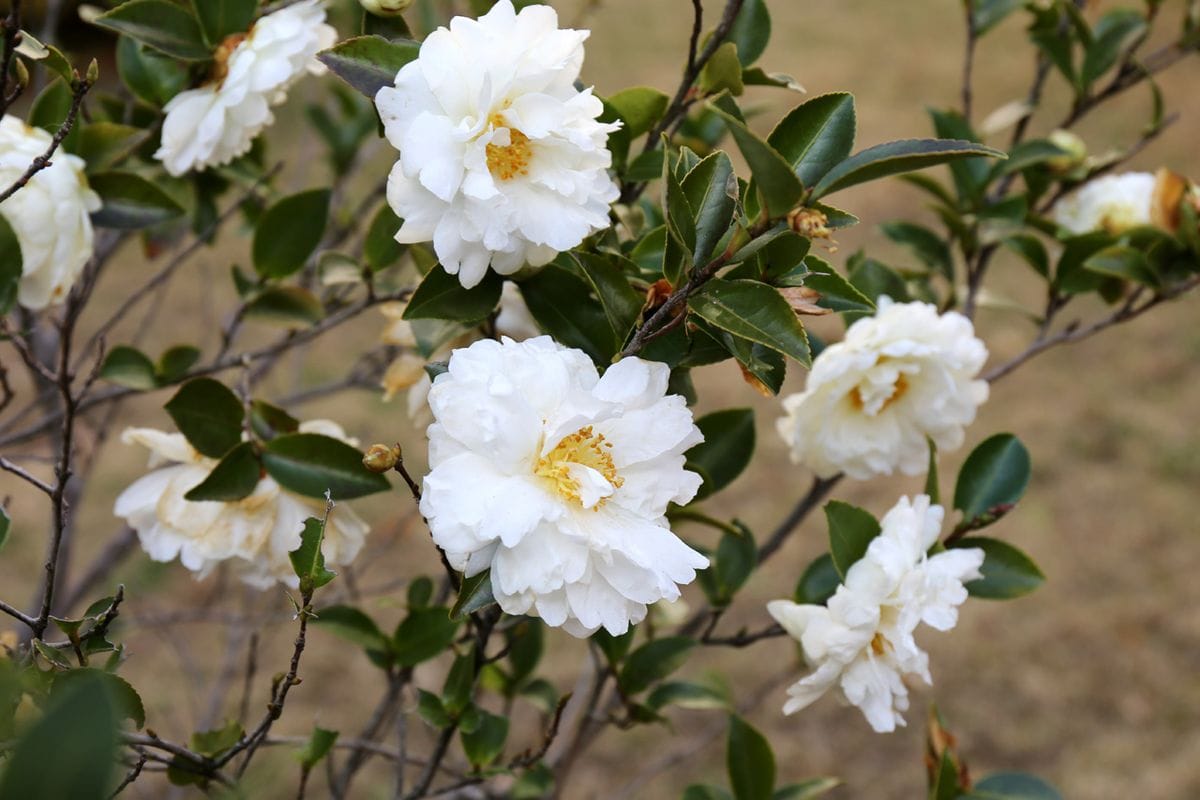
1112, 203
49, 215
217, 122
254, 534
558, 480
502, 162
863, 640
905, 374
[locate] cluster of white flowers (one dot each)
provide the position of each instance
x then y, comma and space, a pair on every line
49, 215
1112, 203
871, 400
863, 639
217, 122
254, 534
502, 161
558, 479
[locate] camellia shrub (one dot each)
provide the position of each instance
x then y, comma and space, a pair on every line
548, 267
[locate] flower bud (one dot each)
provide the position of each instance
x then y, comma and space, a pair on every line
1074, 147
385, 8
1170, 189
381, 458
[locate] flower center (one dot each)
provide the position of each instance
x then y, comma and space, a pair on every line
879, 645
224, 50
506, 162
582, 449
898, 389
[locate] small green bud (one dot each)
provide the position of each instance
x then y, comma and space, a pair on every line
381, 458
385, 8
93, 72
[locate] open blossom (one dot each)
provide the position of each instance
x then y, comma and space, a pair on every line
558, 480
905, 374
254, 534
49, 215
863, 639
502, 161
217, 122
1112, 203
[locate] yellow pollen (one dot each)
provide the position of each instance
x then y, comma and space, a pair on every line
898, 390
583, 447
879, 644
506, 162
225, 49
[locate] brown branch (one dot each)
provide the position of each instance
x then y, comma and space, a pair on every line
12, 31
82, 85
33, 480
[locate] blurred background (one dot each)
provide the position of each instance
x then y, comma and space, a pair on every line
1092, 682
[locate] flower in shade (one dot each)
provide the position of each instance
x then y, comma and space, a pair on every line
502, 162
49, 215
905, 374
558, 480
217, 122
863, 639
253, 534
1112, 203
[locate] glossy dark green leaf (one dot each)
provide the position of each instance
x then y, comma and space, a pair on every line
269, 421
816, 135
126, 701
1032, 251
851, 530
943, 779
167, 27
208, 414
1007, 571
217, 740
819, 581
930, 248
875, 280
993, 477
806, 790
897, 157
987, 14
654, 661
5, 526
562, 303
751, 30
128, 366
308, 560
1125, 263
11, 264
318, 746
723, 72
354, 626
474, 594
175, 361
621, 302
153, 77
711, 190
970, 174
1113, 34
441, 296
50, 109
615, 648
750, 762
285, 305
102, 144
234, 477
424, 634
836, 292
289, 231
130, 201
773, 174
736, 558
639, 107
380, 248
681, 220
311, 464
368, 63
1012, 786
755, 312
485, 744
220, 18
726, 450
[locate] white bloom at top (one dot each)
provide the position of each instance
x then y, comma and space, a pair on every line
255, 533
558, 480
49, 215
863, 638
1113, 203
502, 161
871, 399
217, 122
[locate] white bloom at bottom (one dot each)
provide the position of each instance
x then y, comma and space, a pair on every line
871, 400
255, 534
558, 480
49, 215
1112, 203
862, 640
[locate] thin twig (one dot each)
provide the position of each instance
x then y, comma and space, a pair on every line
81, 88
33, 480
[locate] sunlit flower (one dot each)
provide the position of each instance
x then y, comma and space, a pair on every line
502, 162
862, 640
217, 122
558, 480
1112, 203
254, 534
49, 215
905, 374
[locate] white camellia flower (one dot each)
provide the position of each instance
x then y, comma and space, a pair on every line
558, 480
49, 215
1113, 203
217, 122
254, 533
502, 161
871, 400
863, 639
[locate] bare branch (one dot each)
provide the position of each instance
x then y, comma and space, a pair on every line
82, 85
33, 480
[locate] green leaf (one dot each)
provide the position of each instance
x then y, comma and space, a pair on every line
1007, 571
927, 245
816, 135
78, 730
970, 174
102, 144
851, 530
424, 634
1012, 786
693, 696
932, 487
614, 647
723, 72
639, 107
711, 190
654, 661
289, 231
130, 201
1031, 249
441, 296
484, 745
757, 76
311, 464
736, 558
993, 477
474, 594
219, 18
354, 626
836, 292
773, 174
234, 478
806, 790
167, 27
897, 157
50, 109
753, 311
128, 366
11, 264
127, 703
818, 583
285, 305
943, 779
217, 740
208, 415
621, 303
5, 526
562, 304
681, 223
750, 762
751, 30
368, 63
151, 76
430, 709
460, 682
308, 560
1113, 33
1125, 263
174, 363
699, 791
317, 747
726, 450
380, 248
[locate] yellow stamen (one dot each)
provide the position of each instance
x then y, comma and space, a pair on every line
898, 390
583, 447
506, 162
